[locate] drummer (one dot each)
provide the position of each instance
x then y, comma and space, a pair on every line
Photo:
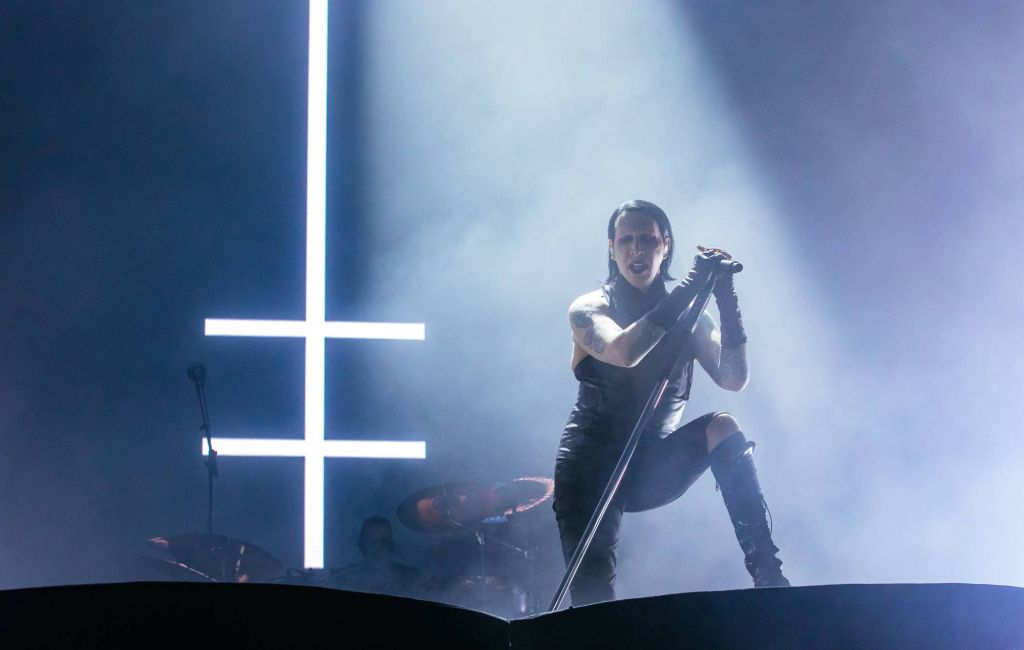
378, 572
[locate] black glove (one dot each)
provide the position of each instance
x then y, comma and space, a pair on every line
733, 335
668, 311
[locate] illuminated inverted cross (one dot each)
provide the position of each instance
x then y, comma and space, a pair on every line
314, 448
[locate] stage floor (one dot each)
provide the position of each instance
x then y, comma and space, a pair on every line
894, 616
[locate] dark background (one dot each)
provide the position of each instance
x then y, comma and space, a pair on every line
153, 175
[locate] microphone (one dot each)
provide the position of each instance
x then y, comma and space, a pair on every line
729, 266
197, 372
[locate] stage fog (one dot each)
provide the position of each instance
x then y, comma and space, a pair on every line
864, 162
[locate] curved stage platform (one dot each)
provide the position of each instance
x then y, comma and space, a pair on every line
277, 616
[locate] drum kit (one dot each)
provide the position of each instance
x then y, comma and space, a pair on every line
483, 527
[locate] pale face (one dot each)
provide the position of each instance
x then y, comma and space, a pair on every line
638, 249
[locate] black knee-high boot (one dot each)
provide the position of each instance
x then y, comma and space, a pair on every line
733, 466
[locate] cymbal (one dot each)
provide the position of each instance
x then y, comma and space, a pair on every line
523, 493
174, 570
449, 507
222, 559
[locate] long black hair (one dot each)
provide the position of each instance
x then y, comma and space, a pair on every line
659, 216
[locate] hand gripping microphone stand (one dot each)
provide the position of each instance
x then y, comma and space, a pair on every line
687, 322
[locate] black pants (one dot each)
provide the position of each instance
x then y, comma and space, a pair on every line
661, 471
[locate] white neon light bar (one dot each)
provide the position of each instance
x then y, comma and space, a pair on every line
316, 279
316, 165
392, 331
302, 329
298, 448
235, 327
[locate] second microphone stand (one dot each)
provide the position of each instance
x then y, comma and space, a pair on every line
197, 373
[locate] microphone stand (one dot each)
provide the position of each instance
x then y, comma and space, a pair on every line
687, 322
199, 378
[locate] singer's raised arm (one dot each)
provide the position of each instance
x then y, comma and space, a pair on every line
594, 333
727, 367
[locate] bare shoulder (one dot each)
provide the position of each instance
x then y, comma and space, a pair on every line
586, 307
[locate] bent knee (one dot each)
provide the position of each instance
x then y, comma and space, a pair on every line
721, 427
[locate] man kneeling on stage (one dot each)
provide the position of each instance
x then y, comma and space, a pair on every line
622, 337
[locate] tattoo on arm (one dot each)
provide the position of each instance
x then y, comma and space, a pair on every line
649, 335
732, 367
582, 320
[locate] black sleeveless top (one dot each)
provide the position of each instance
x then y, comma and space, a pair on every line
611, 398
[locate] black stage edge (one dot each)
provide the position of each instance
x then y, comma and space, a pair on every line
893, 617
281, 616
185, 615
